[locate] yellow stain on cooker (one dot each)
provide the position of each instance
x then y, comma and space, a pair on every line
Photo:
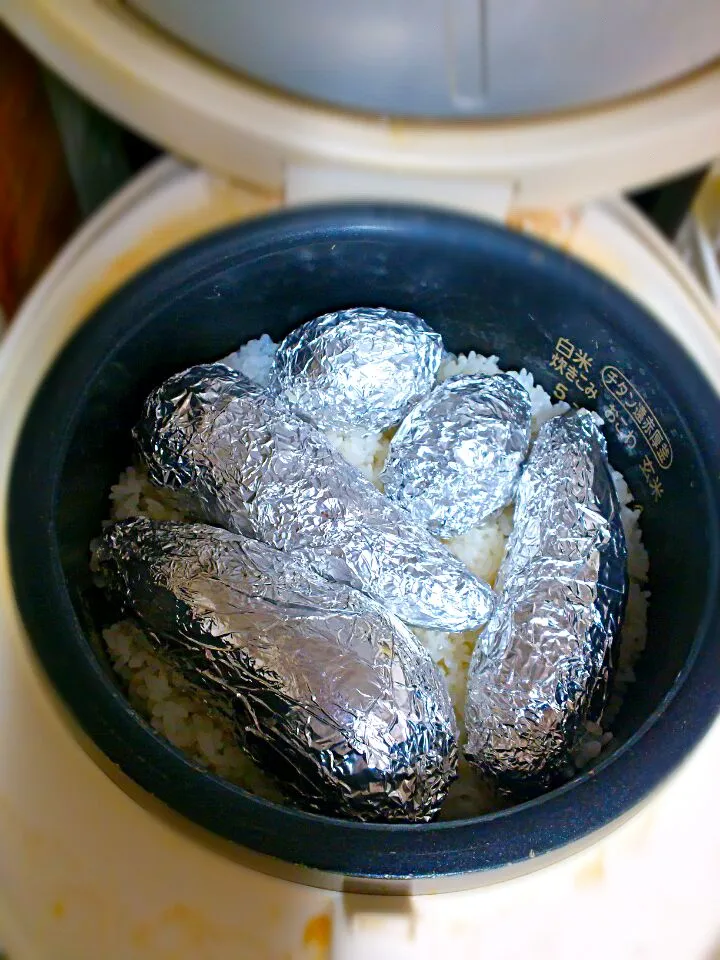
317, 936
58, 910
176, 928
591, 873
181, 931
397, 128
225, 204
550, 225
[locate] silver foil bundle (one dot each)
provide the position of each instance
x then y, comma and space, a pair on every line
362, 368
249, 464
457, 456
325, 689
541, 667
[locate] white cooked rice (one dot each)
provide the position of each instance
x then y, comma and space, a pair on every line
159, 693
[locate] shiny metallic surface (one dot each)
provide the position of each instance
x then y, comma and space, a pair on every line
362, 368
457, 456
542, 666
249, 464
326, 690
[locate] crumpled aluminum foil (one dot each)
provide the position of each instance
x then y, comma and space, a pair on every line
249, 464
328, 692
541, 668
457, 456
362, 368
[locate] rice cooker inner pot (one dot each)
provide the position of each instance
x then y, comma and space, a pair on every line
484, 288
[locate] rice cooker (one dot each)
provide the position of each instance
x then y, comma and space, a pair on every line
292, 185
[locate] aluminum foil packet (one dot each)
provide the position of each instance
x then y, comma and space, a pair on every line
360, 369
542, 666
326, 690
249, 464
456, 458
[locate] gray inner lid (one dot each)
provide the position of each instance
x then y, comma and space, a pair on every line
457, 58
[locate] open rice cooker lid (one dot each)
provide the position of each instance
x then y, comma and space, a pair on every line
156, 76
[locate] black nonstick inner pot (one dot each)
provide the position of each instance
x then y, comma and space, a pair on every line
483, 288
